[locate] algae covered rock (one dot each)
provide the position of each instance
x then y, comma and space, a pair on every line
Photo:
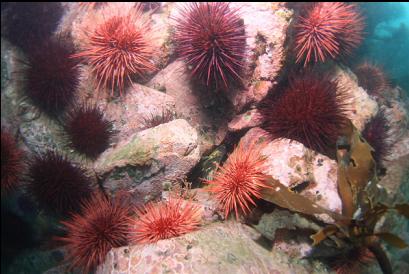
146, 159
218, 248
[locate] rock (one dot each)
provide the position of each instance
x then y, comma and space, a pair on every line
138, 103
218, 248
362, 106
293, 164
251, 118
266, 35
274, 223
398, 119
35, 261
204, 110
144, 161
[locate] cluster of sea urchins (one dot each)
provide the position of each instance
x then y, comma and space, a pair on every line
107, 223
327, 30
211, 39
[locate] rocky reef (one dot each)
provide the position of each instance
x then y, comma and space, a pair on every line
193, 158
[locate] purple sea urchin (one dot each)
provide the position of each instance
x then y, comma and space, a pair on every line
88, 131
371, 78
29, 23
211, 39
57, 184
12, 164
51, 76
377, 134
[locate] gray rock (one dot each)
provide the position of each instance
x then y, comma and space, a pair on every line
148, 158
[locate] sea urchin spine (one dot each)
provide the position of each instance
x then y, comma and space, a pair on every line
103, 224
57, 184
377, 134
166, 219
240, 180
12, 163
51, 76
371, 78
211, 39
88, 131
329, 30
311, 110
119, 48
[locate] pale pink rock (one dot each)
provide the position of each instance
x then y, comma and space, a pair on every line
193, 104
251, 118
219, 248
292, 163
361, 106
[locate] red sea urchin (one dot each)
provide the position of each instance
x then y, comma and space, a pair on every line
118, 48
11, 162
102, 224
56, 184
88, 131
240, 180
51, 76
211, 39
166, 219
328, 30
371, 78
377, 134
311, 110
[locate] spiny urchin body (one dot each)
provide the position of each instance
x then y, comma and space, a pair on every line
88, 131
240, 180
311, 110
371, 78
119, 48
30, 23
327, 30
211, 40
51, 76
56, 184
377, 134
166, 219
352, 260
102, 225
12, 164
153, 120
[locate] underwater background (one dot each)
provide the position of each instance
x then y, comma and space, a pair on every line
164, 137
